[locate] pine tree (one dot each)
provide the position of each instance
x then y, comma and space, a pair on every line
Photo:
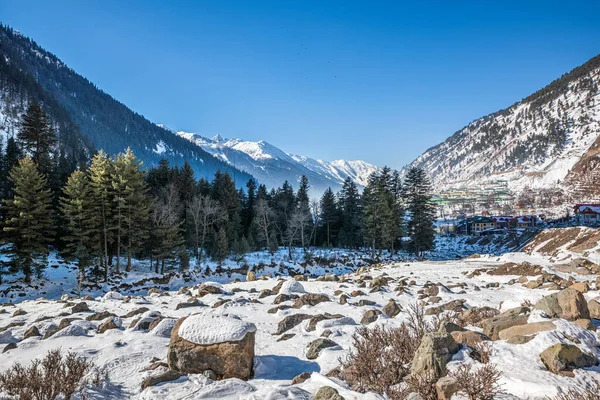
303, 204
131, 204
37, 137
351, 215
12, 155
76, 206
421, 210
329, 216
101, 173
378, 216
28, 225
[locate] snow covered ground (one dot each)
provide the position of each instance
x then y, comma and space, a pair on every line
124, 353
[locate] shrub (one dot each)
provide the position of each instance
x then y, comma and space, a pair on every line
46, 379
424, 385
479, 385
590, 393
381, 358
482, 352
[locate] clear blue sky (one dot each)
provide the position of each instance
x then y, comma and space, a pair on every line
373, 80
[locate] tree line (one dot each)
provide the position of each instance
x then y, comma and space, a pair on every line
110, 211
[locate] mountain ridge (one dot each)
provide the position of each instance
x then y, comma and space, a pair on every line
534, 143
272, 166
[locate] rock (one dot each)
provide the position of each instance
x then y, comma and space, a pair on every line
357, 293
284, 297
475, 315
301, 378
565, 357
220, 302
594, 308
363, 303
343, 299
582, 287
109, 323
152, 291
163, 328
311, 299
312, 324
135, 312
80, 307
286, 336
433, 353
414, 396
31, 332
291, 321
446, 387
18, 312
370, 316
568, 304
315, 347
210, 374
519, 339
66, 322
170, 375
190, 303
586, 324
228, 359
100, 316
250, 276
9, 346
468, 338
526, 330
327, 393
493, 326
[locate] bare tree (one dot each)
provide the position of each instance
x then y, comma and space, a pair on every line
297, 224
315, 211
205, 212
264, 219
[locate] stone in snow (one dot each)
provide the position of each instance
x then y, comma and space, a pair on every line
211, 329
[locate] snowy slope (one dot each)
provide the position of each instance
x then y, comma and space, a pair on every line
272, 166
532, 144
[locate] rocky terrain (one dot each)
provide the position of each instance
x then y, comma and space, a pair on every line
532, 316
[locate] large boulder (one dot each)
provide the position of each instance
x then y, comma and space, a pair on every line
434, 352
223, 344
526, 330
327, 393
493, 326
569, 304
315, 347
561, 358
594, 308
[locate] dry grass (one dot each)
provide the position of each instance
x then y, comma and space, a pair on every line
46, 379
481, 384
591, 393
380, 359
482, 352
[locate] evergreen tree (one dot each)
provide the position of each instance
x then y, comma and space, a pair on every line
303, 204
378, 216
101, 173
421, 210
351, 215
37, 137
11, 157
329, 216
76, 206
131, 204
28, 225
222, 247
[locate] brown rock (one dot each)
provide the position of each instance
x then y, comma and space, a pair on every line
565, 357
327, 393
568, 304
170, 375
301, 378
232, 359
391, 309
526, 330
446, 387
468, 338
370, 316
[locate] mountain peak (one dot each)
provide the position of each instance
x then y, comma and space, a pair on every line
217, 138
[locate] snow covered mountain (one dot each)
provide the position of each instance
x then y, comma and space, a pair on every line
547, 140
271, 165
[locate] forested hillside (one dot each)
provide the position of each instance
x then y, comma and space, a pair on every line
32, 74
535, 143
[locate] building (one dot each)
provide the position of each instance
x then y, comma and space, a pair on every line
587, 214
502, 222
524, 222
475, 225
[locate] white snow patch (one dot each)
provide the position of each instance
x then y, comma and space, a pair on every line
211, 329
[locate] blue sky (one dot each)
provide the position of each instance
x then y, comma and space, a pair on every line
373, 80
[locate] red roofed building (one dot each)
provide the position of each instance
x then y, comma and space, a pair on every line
587, 214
